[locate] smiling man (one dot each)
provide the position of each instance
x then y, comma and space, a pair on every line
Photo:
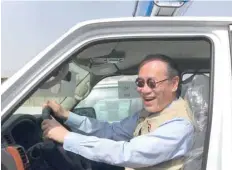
158, 137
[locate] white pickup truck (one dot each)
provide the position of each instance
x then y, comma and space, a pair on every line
91, 51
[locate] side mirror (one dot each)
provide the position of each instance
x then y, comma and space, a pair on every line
85, 111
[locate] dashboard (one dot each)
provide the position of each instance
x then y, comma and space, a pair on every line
19, 133
23, 130
23, 147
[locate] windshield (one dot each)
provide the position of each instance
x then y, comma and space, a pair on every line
108, 102
66, 88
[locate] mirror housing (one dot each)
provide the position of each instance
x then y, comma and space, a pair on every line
85, 111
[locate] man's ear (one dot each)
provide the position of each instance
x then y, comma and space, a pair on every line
175, 82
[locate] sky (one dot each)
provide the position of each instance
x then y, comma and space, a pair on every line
29, 27
210, 8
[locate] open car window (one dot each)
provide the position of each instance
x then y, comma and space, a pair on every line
103, 75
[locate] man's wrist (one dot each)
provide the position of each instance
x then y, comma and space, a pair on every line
65, 115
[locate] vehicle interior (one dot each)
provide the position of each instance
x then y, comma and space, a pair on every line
98, 82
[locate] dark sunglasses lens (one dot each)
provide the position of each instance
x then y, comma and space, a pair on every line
140, 82
151, 83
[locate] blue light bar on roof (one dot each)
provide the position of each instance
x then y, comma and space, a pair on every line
153, 7
144, 8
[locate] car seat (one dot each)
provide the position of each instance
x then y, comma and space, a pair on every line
195, 90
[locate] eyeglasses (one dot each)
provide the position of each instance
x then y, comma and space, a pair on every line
140, 82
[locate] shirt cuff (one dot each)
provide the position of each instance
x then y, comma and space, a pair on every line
73, 119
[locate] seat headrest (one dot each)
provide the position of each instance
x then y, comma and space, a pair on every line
196, 92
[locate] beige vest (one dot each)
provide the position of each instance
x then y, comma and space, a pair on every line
148, 123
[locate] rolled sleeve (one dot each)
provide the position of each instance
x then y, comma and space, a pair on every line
74, 120
171, 140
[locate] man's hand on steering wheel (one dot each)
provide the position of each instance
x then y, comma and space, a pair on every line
53, 130
57, 109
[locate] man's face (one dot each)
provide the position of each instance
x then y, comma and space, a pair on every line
155, 99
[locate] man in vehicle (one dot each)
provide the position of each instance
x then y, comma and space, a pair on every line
157, 137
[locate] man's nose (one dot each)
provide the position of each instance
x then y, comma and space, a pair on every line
146, 89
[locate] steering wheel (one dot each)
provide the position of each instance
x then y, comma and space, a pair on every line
55, 155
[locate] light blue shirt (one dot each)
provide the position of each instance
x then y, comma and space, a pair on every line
113, 143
